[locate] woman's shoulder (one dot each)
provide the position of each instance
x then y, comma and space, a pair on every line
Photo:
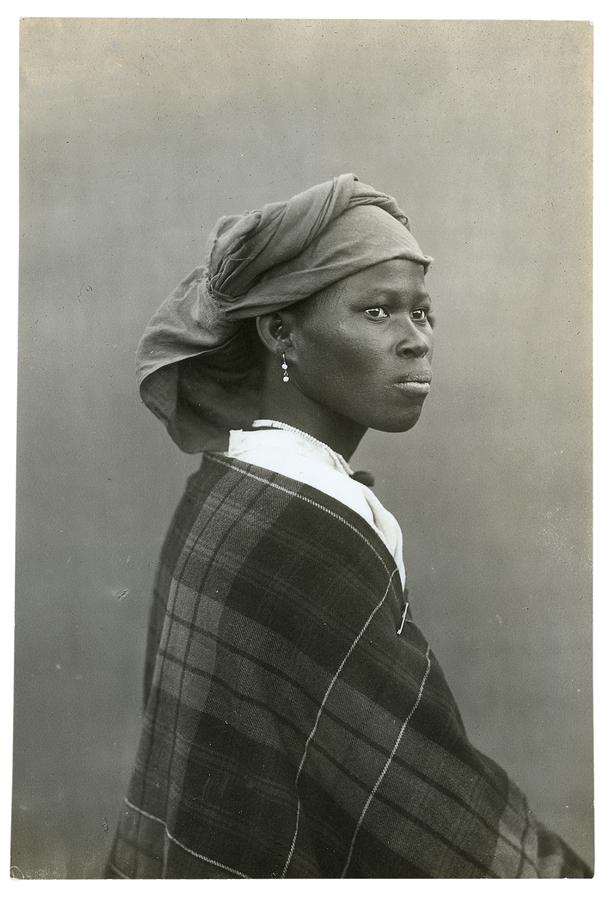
272, 523
266, 546
265, 501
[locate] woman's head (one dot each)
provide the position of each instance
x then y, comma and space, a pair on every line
317, 267
360, 349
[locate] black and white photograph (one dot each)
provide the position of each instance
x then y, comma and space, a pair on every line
303, 577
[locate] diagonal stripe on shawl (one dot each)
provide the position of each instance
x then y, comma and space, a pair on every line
289, 729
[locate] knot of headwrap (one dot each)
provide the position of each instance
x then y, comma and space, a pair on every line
197, 367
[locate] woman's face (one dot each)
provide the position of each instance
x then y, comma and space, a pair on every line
363, 347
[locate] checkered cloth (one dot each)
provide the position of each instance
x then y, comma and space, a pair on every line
297, 723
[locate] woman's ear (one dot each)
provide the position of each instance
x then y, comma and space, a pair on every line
273, 332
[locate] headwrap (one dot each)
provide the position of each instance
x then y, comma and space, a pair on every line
198, 368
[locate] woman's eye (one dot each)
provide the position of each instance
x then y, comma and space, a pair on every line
420, 315
376, 313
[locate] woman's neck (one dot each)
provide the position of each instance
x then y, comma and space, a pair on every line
293, 408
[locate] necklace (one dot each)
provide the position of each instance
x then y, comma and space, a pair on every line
282, 426
364, 477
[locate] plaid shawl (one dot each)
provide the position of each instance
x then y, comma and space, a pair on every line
297, 723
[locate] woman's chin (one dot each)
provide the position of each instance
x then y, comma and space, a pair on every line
397, 424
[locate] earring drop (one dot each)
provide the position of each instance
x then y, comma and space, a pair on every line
285, 373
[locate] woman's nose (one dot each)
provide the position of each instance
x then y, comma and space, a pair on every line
414, 341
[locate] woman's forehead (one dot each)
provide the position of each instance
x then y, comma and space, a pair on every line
393, 276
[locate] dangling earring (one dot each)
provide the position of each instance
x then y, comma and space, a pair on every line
285, 373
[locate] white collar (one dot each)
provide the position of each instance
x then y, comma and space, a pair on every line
274, 434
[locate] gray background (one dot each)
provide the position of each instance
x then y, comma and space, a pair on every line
136, 136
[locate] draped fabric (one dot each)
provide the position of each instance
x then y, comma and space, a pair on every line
297, 723
298, 457
197, 362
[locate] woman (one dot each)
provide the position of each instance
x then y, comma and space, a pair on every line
297, 723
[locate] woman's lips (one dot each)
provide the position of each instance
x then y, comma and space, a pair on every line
414, 387
418, 383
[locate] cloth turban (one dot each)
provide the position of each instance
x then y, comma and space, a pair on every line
197, 363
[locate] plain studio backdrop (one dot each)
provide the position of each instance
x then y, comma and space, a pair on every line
136, 136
